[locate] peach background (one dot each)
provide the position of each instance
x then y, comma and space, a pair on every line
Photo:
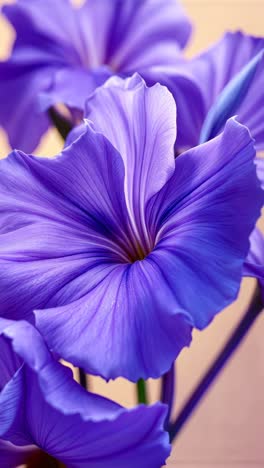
227, 429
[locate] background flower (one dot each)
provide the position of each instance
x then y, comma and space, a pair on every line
210, 72
41, 405
68, 53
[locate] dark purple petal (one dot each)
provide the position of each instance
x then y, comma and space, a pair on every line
74, 426
204, 217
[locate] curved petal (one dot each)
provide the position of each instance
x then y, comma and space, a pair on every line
59, 218
141, 124
72, 425
188, 97
133, 35
204, 217
132, 308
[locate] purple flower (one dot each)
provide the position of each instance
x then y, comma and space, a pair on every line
119, 248
65, 52
210, 72
42, 407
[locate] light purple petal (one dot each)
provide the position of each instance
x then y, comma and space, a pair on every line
76, 427
141, 124
204, 217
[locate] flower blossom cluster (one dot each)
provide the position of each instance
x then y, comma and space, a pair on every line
113, 251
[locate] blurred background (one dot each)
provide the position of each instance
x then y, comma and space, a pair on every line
227, 429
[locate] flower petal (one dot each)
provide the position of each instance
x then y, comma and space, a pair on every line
209, 73
118, 324
72, 425
232, 96
56, 224
204, 216
141, 124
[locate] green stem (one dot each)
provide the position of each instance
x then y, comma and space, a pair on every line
142, 392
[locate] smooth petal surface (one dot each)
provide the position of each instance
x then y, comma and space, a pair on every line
132, 308
141, 124
204, 217
74, 426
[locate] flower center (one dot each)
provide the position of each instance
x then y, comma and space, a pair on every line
40, 459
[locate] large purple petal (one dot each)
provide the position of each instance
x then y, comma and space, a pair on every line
57, 224
76, 427
204, 217
118, 324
